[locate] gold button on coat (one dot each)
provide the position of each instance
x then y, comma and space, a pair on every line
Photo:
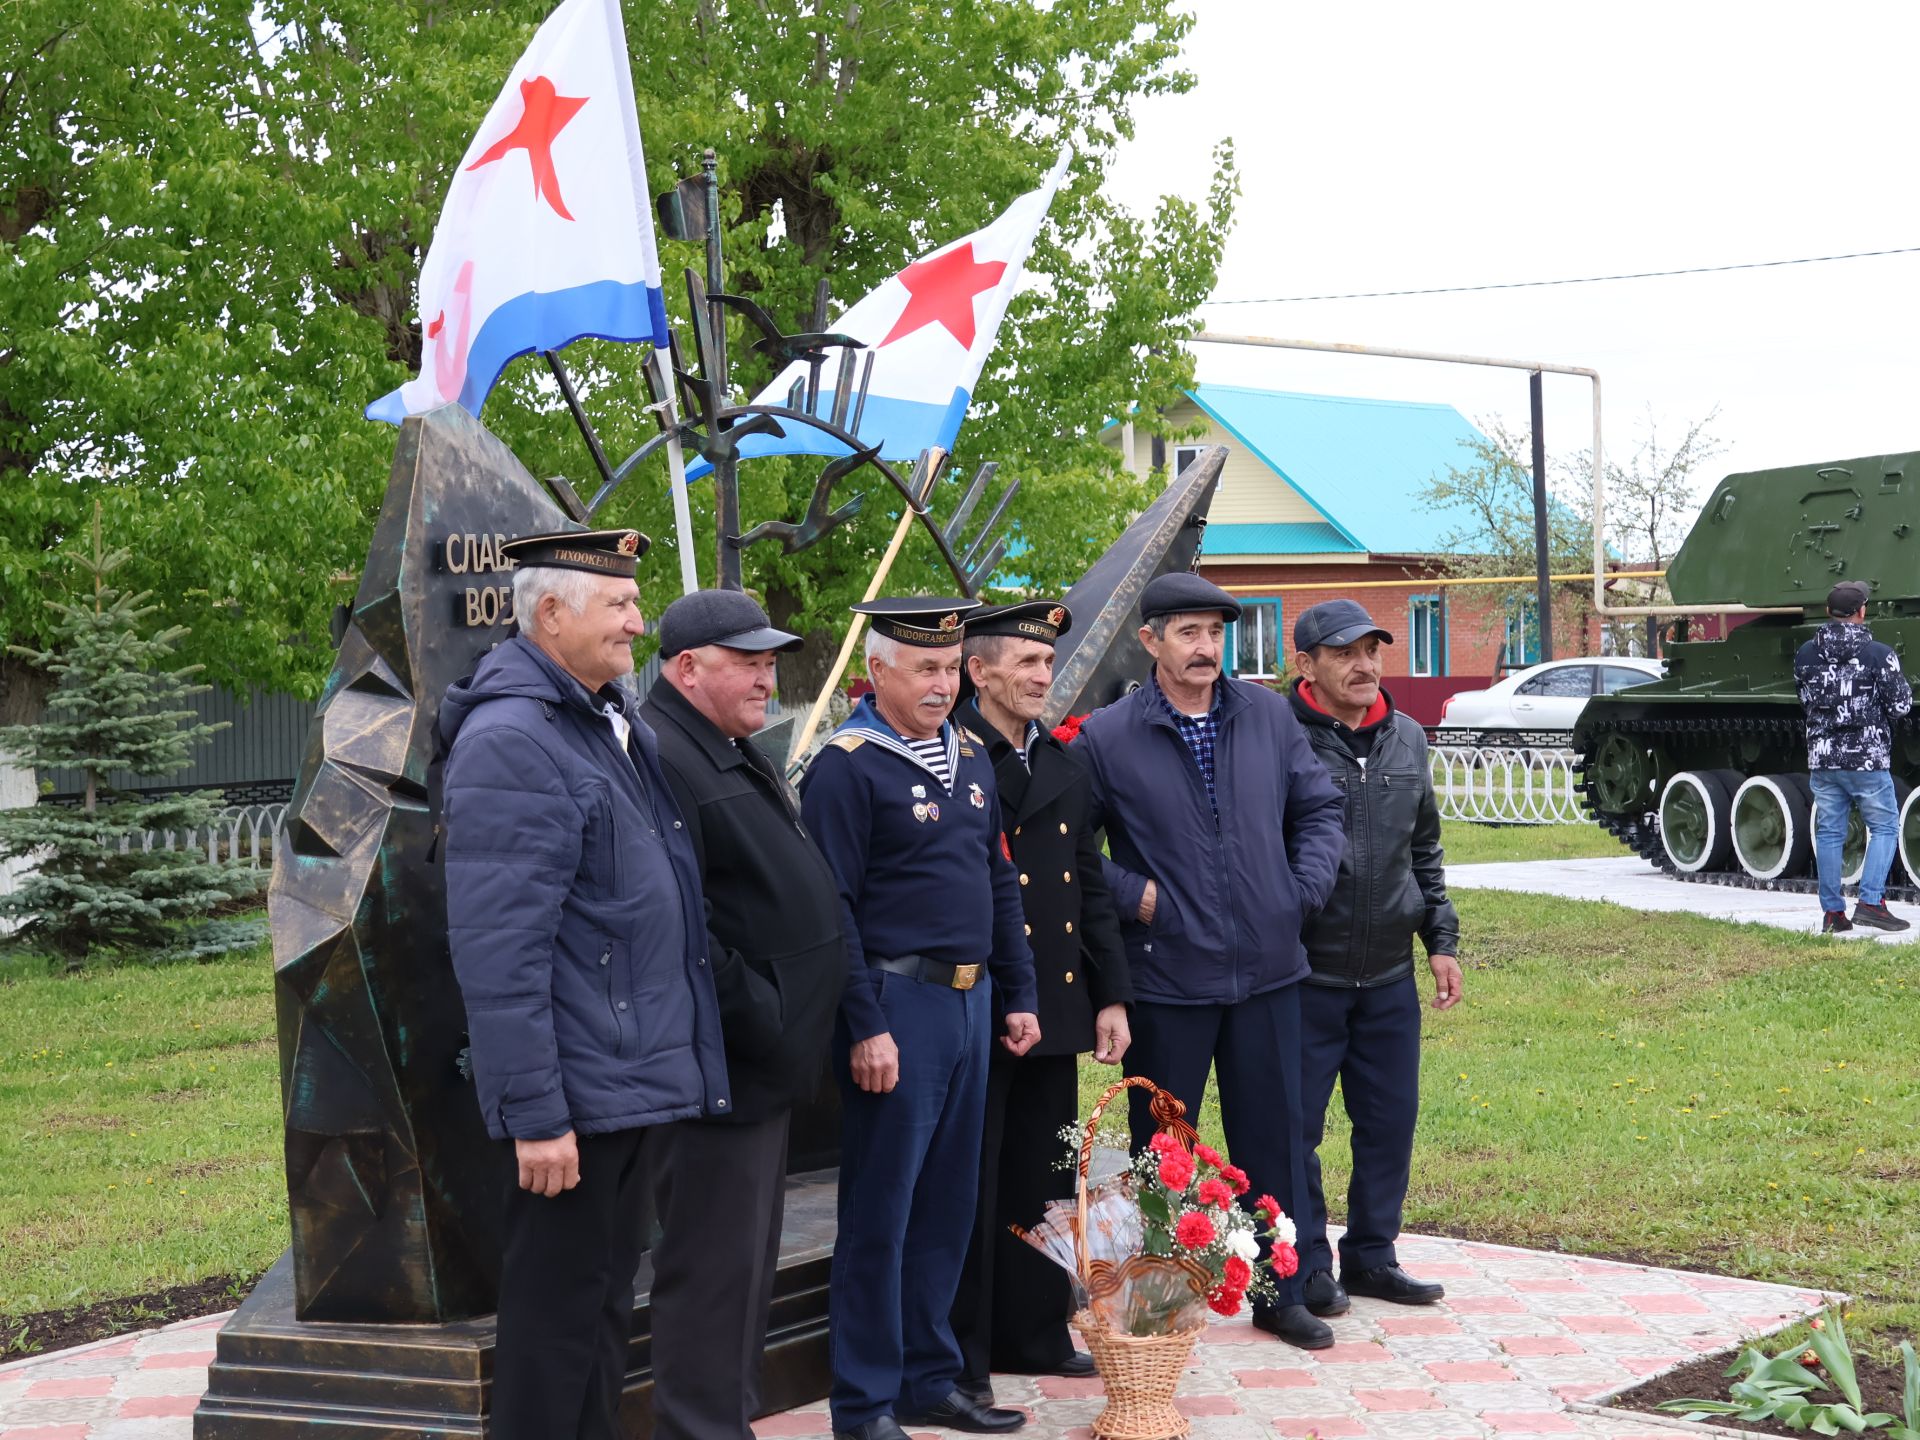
1029, 929
1023, 879
1016, 829
1063, 827
1069, 927
1067, 875
1069, 977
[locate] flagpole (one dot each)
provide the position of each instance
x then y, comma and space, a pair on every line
661, 383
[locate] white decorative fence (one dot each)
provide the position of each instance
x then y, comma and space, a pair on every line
1506, 785
249, 834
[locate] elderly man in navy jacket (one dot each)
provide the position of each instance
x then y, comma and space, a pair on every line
579, 937
1224, 834
902, 802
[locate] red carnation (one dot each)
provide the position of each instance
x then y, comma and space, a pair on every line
1237, 1178
1224, 1301
1176, 1170
1195, 1230
1162, 1143
1210, 1155
1068, 728
1238, 1273
1268, 1209
1215, 1192
1285, 1260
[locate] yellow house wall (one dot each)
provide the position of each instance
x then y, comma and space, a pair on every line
1249, 493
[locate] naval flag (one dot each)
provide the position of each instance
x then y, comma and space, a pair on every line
930, 328
546, 235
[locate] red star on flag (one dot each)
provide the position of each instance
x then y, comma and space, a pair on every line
545, 116
941, 292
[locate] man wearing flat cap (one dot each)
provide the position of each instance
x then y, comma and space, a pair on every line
1225, 836
579, 937
1360, 1006
1014, 1303
902, 801
1853, 692
779, 963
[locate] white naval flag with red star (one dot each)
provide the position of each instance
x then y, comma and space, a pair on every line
930, 329
546, 235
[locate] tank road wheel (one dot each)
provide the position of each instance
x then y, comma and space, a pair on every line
1695, 823
1910, 835
1772, 833
1621, 774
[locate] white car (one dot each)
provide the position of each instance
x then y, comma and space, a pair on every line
1545, 697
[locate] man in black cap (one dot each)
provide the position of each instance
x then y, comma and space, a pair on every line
779, 964
1014, 1303
579, 937
1225, 835
1853, 692
903, 803
1360, 1007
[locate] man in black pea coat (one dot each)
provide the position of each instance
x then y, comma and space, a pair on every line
779, 966
1013, 1306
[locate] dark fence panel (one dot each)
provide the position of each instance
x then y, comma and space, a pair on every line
259, 753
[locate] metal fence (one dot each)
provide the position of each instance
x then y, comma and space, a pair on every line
1506, 785
249, 834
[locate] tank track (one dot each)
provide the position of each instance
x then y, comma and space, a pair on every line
1640, 834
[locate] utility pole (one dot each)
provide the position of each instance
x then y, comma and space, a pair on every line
1544, 603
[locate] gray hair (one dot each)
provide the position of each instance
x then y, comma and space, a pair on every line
533, 583
988, 647
881, 647
1158, 624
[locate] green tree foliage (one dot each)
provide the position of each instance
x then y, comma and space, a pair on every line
212, 218
117, 707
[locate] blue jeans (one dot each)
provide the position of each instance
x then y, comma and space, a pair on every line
1840, 792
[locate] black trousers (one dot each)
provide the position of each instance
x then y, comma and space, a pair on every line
566, 1294
720, 1193
1013, 1305
1254, 1050
1370, 1041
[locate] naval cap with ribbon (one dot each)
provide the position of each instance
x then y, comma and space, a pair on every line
601, 552
926, 620
1044, 620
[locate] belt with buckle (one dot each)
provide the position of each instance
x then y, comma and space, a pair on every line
931, 972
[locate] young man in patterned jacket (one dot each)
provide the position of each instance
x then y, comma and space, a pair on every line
1853, 691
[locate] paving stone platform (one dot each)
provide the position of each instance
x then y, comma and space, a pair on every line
1630, 881
1522, 1344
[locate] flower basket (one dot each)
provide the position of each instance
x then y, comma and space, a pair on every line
1140, 1372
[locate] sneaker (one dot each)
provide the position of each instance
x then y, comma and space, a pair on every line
1834, 922
1878, 917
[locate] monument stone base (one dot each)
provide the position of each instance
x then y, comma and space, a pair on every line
275, 1377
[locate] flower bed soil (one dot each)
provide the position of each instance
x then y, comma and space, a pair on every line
44, 1330
1705, 1379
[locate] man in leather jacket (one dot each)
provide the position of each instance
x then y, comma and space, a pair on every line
1360, 1006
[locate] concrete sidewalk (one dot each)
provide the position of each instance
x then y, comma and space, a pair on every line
1630, 881
1523, 1340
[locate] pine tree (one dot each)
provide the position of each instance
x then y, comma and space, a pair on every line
116, 707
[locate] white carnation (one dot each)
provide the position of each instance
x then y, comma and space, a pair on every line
1283, 1229
1242, 1243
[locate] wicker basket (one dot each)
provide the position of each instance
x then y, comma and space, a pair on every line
1140, 1372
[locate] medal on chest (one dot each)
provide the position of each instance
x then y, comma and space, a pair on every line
976, 797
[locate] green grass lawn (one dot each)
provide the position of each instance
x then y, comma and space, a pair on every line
1469, 844
1614, 1083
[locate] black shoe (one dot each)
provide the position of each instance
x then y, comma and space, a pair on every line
881, 1427
1324, 1296
1834, 922
1390, 1282
1878, 917
1293, 1324
980, 1391
957, 1412
1077, 1366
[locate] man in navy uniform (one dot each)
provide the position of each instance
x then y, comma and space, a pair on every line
1226, 836
902, 803
579, 937
1014, 1303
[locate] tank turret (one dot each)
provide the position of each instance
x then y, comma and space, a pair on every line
1704, 771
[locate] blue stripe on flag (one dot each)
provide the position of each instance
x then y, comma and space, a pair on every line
903, 429
606, 310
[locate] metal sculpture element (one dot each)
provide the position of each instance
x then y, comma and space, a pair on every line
393, 1183
713, 426
1101, 658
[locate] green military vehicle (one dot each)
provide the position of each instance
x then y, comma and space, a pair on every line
1704, 771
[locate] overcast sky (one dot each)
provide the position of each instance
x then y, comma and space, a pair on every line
1390, 146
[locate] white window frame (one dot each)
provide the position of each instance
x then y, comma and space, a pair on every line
1266, 605
1417, 607
1176, 464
